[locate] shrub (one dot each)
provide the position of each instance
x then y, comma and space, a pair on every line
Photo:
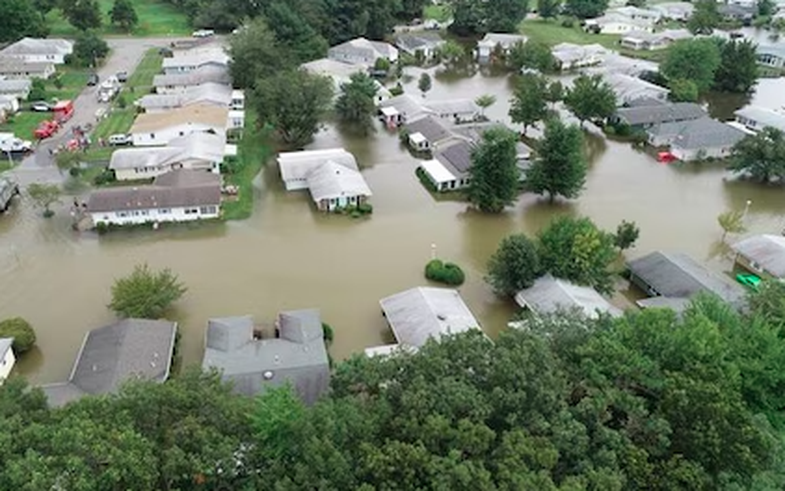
21, 331
568, 22
105, 177
74, 171
424, 180
102, 228
397, 90
329, 333
365, 208
447, 273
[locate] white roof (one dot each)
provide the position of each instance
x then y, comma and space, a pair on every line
764, 116
418, 314
196, 58
569, 52
213, 93
297, 165
548, 295
377, 48
389, 111
417, 138
195, 146
331, 68
768, 251
33, 46
437, 171
628, 88
332, 180
453, 106
505, 40
405, 104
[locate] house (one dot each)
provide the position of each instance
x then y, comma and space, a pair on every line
449, 170
7, 358
644, 41
628, 88
15, 68
419, 314
8, 189
762, 254
648, 15
772, 56
676, 276
643, 117
679, 11
696, 139
194, 59
161, 128
181, 195
179, 82
361, 51
421, 45
473, 133
341, 72
127, 350
332, 177
9, 104
549, 295
296, 356
493, 41
571, 56
456, 110
32, 50
210, 93
755, 118
426, 133
615, 23
737, 13
19, 89
197, 151
397, 110
612, 62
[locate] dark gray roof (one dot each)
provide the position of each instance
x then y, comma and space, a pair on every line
665, 113
16, 65
430, 127
5, 345
768, 251
411, 42
113, 354
700, 133
646, 102
677, 275
229, 333
457, 157
182, 187
677, 305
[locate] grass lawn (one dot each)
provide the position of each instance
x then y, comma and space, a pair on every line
156, 18
439, 13
551, 32
24, 123
252, 153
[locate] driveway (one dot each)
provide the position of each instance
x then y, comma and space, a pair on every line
125, 55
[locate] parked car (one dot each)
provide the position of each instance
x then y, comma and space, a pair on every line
41, 107
120, 139
92, 79
749, 280
122, 77
203, 33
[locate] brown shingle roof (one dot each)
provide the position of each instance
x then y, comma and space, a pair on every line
197, 113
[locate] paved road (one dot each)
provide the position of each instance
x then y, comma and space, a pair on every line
125, 56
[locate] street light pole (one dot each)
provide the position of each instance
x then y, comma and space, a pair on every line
746, 209
433, 252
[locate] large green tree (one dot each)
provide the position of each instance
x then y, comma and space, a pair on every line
294, 102
560, 168
576, 250
514, 266
471, 17
356, 104
494, 173
590, 97
294, 34
548, 9
123, 14
586, 9
705, 18
696, 60
760, 156
82, 14
531, 54
738, 68
146, 293
528, 104
255, 54
89, 49
20, 19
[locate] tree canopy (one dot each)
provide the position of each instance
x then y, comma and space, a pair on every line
20, 19
356, 105
123, 14
494, 171
586, 9
590, 97
21, 331
255, 54
705, 18
528, 104
696, 60
760, 156
471, 17
531, 54
560, 168
82, 14
514, 266
738, 68
145, 293
89, 49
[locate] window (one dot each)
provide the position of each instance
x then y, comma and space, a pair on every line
145, 213
152, 136
164, 211
122, 214
207, 210
191, 211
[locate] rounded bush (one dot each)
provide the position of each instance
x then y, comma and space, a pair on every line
21, 331
447, 273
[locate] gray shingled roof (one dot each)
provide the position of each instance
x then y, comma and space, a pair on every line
430, 127
297, 165
677, 275
665, 113
37, 46
200, 146
675, 304
210, 93
203, 75
17, 65
456, 157
411, 42
13, 86
768, 251
549, 295
114, 354
700, 133
5, 345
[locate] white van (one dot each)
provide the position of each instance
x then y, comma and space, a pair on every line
120, 139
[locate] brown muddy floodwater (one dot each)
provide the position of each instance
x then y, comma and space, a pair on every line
287, 256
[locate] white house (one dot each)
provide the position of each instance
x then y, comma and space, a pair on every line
34, 50
696, 139
161, 128
422, 45
341, 72
15, 68
772, 56
194, 59
489, 43
9, 104
629, 88
755, 118
614, 23
570, 56
179, 82
178, 196
680, 11
455, 110
642, 40
19, 89
7, 358
361, 51
651, 16
197, 151
209, 93
332, 176
397, 110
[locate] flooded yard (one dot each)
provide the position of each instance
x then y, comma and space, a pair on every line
288, 256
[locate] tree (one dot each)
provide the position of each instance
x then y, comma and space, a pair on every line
627, 234
504, 15
732, 222
586, 9
82, 14
21, 331
531, 54
738, 68
451, 52
20, 19
590, 97
560, 168
514, 266
294, 102
692, 59
494, 173
705, 18
44, 7
293, 34
548, 9
44, 196
576, 250
468, 17
528, 104
37, 90
424, 84
88, 49
357, 103
683, 90
254, 54
555, 92
760, 156
485, 101
766, 8
145, 294
123, 14
67, 160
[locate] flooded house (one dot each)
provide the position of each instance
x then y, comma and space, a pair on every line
650, 115
763, 255
361, 51
549, 295
7, 358
696, 139
493, 41
8, 189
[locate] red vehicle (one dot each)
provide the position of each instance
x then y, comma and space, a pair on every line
46, 129
63, 111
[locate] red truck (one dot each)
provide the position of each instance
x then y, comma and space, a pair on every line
46, 129
63, 111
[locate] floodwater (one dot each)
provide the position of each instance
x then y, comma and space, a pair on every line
287, 256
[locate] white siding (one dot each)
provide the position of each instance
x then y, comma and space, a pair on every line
7, 364
56, 59
693, 154
182, 214
163, 137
